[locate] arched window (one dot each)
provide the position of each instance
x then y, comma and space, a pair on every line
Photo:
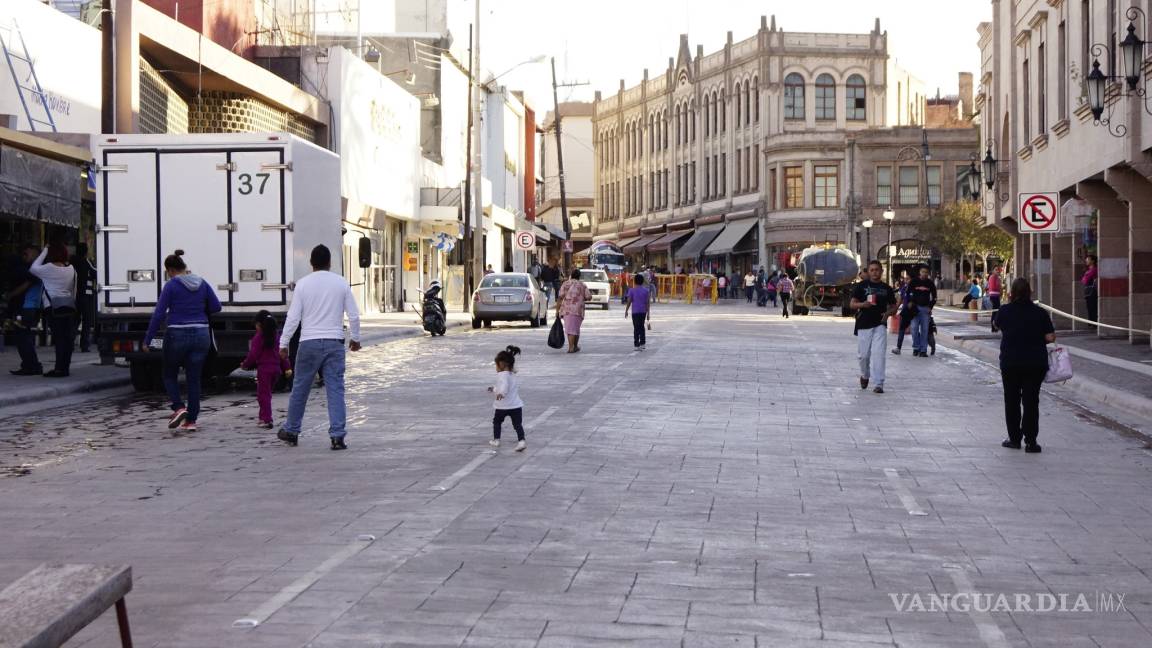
756, 99
691, 122
794, 96
737, 107
857, 104
825, 97
747, 103
715, 108
723, 112
677, 130
664, 122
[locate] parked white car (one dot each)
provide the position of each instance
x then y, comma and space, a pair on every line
598, 285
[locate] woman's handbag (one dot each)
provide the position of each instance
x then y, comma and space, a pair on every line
556, 335
1059, 365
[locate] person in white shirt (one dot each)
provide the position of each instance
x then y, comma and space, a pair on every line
319, 304
59, 278
507, 403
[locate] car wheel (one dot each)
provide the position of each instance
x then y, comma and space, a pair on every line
487, 323
544, 319
475, 323
534, 321
606, 306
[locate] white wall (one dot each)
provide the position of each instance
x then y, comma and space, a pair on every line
579, 176
66, 56
377, 125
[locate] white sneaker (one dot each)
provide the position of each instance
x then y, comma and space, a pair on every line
521, 446
495, 443
643, 347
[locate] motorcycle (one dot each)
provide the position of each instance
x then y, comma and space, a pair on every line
433, 314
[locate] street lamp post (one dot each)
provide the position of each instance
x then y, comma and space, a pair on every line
889, 216
868, 240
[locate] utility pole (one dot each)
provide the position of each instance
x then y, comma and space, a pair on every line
467, 208
107, 70
560, 167
478, 253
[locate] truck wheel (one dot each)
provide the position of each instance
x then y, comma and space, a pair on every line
144, 375
475, 323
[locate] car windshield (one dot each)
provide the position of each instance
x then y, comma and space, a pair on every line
505, 281
594, 275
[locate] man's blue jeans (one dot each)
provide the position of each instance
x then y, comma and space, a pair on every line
326, 357
188, 348
920, 328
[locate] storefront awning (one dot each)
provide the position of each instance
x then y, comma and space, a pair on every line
639, 244
664, 243
555, 230
730, 238
625, 242
34, 187
700, 240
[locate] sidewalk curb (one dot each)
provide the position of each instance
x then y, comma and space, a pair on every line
93, 385
1087, 388
112, 382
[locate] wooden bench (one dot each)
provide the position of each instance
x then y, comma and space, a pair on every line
51, 603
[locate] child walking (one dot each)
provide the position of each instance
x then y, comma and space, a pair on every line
639, 300
507, 403
264, 357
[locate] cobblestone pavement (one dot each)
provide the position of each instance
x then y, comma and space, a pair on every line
731, 486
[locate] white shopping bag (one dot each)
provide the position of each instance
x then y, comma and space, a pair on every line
1059, 365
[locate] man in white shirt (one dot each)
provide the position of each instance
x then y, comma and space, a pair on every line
319, 303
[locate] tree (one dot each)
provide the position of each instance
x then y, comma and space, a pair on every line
958, 230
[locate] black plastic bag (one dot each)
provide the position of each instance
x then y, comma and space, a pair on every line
556, 335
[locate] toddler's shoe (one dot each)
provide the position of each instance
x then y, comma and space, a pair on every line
521, 446
495, 443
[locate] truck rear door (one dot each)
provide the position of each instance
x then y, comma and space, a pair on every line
127, 236
258, 238
194, 212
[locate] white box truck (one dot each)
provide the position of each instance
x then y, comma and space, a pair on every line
247, 209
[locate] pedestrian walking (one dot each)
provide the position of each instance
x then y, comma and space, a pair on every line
85, 294
995, 285
507, 402
761, 288
54, 270
264, 357
319, 304
25, 299
723, 285
771, 287
904, 310
874, 302
639, 300
184, 306
570, 303
1025, 330
784, 288
1090, 281
749, 285
922, 293
556, 276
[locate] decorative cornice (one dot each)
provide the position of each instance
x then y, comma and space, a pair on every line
1055, 4
1022, 38
1061, 127
1083, 112
1040, 142
1038, 19
1024, 153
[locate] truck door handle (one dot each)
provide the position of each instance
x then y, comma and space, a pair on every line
273, 228
111, 228
228, 286
276, 286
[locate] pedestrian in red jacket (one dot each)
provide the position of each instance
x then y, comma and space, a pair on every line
264, 356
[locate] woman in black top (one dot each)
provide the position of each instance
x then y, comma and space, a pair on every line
1025, 331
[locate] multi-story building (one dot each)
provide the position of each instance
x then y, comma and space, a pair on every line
579, 178
1051, 123
726, 159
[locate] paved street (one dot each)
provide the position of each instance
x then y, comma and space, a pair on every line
731, 486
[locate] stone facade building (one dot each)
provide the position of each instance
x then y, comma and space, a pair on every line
726, 160
1037, 125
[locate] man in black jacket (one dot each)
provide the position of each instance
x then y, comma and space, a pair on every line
921, 299
85, 294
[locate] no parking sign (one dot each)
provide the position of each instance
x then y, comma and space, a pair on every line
526, 240
1038, 213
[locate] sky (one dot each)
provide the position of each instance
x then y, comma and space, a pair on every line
602, 41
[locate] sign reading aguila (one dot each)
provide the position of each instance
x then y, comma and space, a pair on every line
1038, 213
526, 240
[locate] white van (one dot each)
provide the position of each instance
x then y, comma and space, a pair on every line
599, 285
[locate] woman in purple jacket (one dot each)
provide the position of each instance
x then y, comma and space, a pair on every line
184, 305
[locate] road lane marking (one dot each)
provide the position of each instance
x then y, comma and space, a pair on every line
301, 585
544, 416
616, 366
989, 632
583, 388
455, 477
903, 493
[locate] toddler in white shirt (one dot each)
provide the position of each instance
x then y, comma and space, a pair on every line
507, 403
